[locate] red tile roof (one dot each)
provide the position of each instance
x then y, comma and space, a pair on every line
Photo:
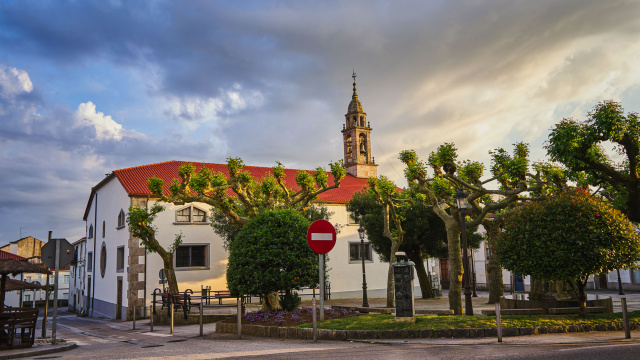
134, 180
6, 255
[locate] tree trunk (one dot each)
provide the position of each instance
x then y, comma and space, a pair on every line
395, 245
423, 277
172, 282
496, 283
579, 286
270, 301
455, 266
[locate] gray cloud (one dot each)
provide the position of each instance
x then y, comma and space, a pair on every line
270, 80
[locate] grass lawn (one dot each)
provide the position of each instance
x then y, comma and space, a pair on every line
387, 322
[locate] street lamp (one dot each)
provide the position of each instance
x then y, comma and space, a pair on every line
365, 303
461, 200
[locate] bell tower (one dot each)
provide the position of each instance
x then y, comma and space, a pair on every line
356, 132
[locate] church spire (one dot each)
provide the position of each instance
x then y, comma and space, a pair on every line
357, 139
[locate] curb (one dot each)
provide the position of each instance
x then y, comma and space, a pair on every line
40, 350
463, 333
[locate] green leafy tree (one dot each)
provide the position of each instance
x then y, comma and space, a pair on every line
568, 237
516, 183
580, 146
271, 253
238, 197
425, 235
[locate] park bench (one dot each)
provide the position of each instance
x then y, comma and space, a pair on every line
17, 327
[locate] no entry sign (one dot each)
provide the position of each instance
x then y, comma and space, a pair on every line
321, 236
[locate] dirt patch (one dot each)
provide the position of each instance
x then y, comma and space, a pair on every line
284, 318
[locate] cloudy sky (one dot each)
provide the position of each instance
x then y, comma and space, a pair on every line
87, 87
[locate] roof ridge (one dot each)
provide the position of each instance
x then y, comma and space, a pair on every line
148, 165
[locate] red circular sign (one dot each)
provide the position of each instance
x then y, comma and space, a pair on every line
321, 236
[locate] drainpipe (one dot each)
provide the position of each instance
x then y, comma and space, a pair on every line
95, 253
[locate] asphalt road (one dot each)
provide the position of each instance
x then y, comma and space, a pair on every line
106, 339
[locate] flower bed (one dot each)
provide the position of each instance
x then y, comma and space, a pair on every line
291, 318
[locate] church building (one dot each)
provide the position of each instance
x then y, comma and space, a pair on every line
120, 274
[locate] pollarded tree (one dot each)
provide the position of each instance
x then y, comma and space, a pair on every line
568, 237
579, 145
238, 196
386, 195
271, 253
450, 176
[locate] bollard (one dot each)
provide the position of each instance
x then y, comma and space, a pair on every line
498, 322
627, 333
201, 315
239, 319
134, 318
151, 316
171, 310
315, 322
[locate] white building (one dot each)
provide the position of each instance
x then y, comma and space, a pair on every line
77, 272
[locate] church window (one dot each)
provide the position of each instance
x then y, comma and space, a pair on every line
362, 121
349, 145
103, 259
104, 225
191, 215
90, 231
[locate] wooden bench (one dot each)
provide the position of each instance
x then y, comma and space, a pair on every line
17, 327
221, 294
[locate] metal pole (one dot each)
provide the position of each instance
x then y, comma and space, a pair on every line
498, 323
201, 315
467, 288
321, 265
315, 322
55, 293
46, 301
627, 333
365, 302
134, 318
239, 319
151, 316
171, 311
619, 284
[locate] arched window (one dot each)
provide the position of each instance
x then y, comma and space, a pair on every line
90, 231
348, 145
362, 121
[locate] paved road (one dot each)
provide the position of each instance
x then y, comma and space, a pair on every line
106, 339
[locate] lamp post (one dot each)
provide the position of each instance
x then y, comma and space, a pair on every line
365, 302
461, 200
620, 292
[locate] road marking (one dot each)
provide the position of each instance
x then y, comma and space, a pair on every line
155, 334
597, 346
238, 353
321, 236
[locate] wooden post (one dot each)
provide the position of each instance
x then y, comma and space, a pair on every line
171, 310
201, 316
315, 322
239, 319
627, 333
498, 324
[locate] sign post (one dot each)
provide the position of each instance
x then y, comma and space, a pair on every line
321, 237
56, 254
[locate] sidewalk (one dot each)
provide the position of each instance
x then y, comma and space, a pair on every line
44, 347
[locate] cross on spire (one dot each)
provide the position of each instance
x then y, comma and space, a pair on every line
354, 76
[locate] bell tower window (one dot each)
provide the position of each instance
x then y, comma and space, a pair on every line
349, 152
363, 145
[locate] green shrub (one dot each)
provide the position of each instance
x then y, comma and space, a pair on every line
290, 301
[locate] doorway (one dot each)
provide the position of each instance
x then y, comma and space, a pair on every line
88, 299
518, 282
119, 299
444, 273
